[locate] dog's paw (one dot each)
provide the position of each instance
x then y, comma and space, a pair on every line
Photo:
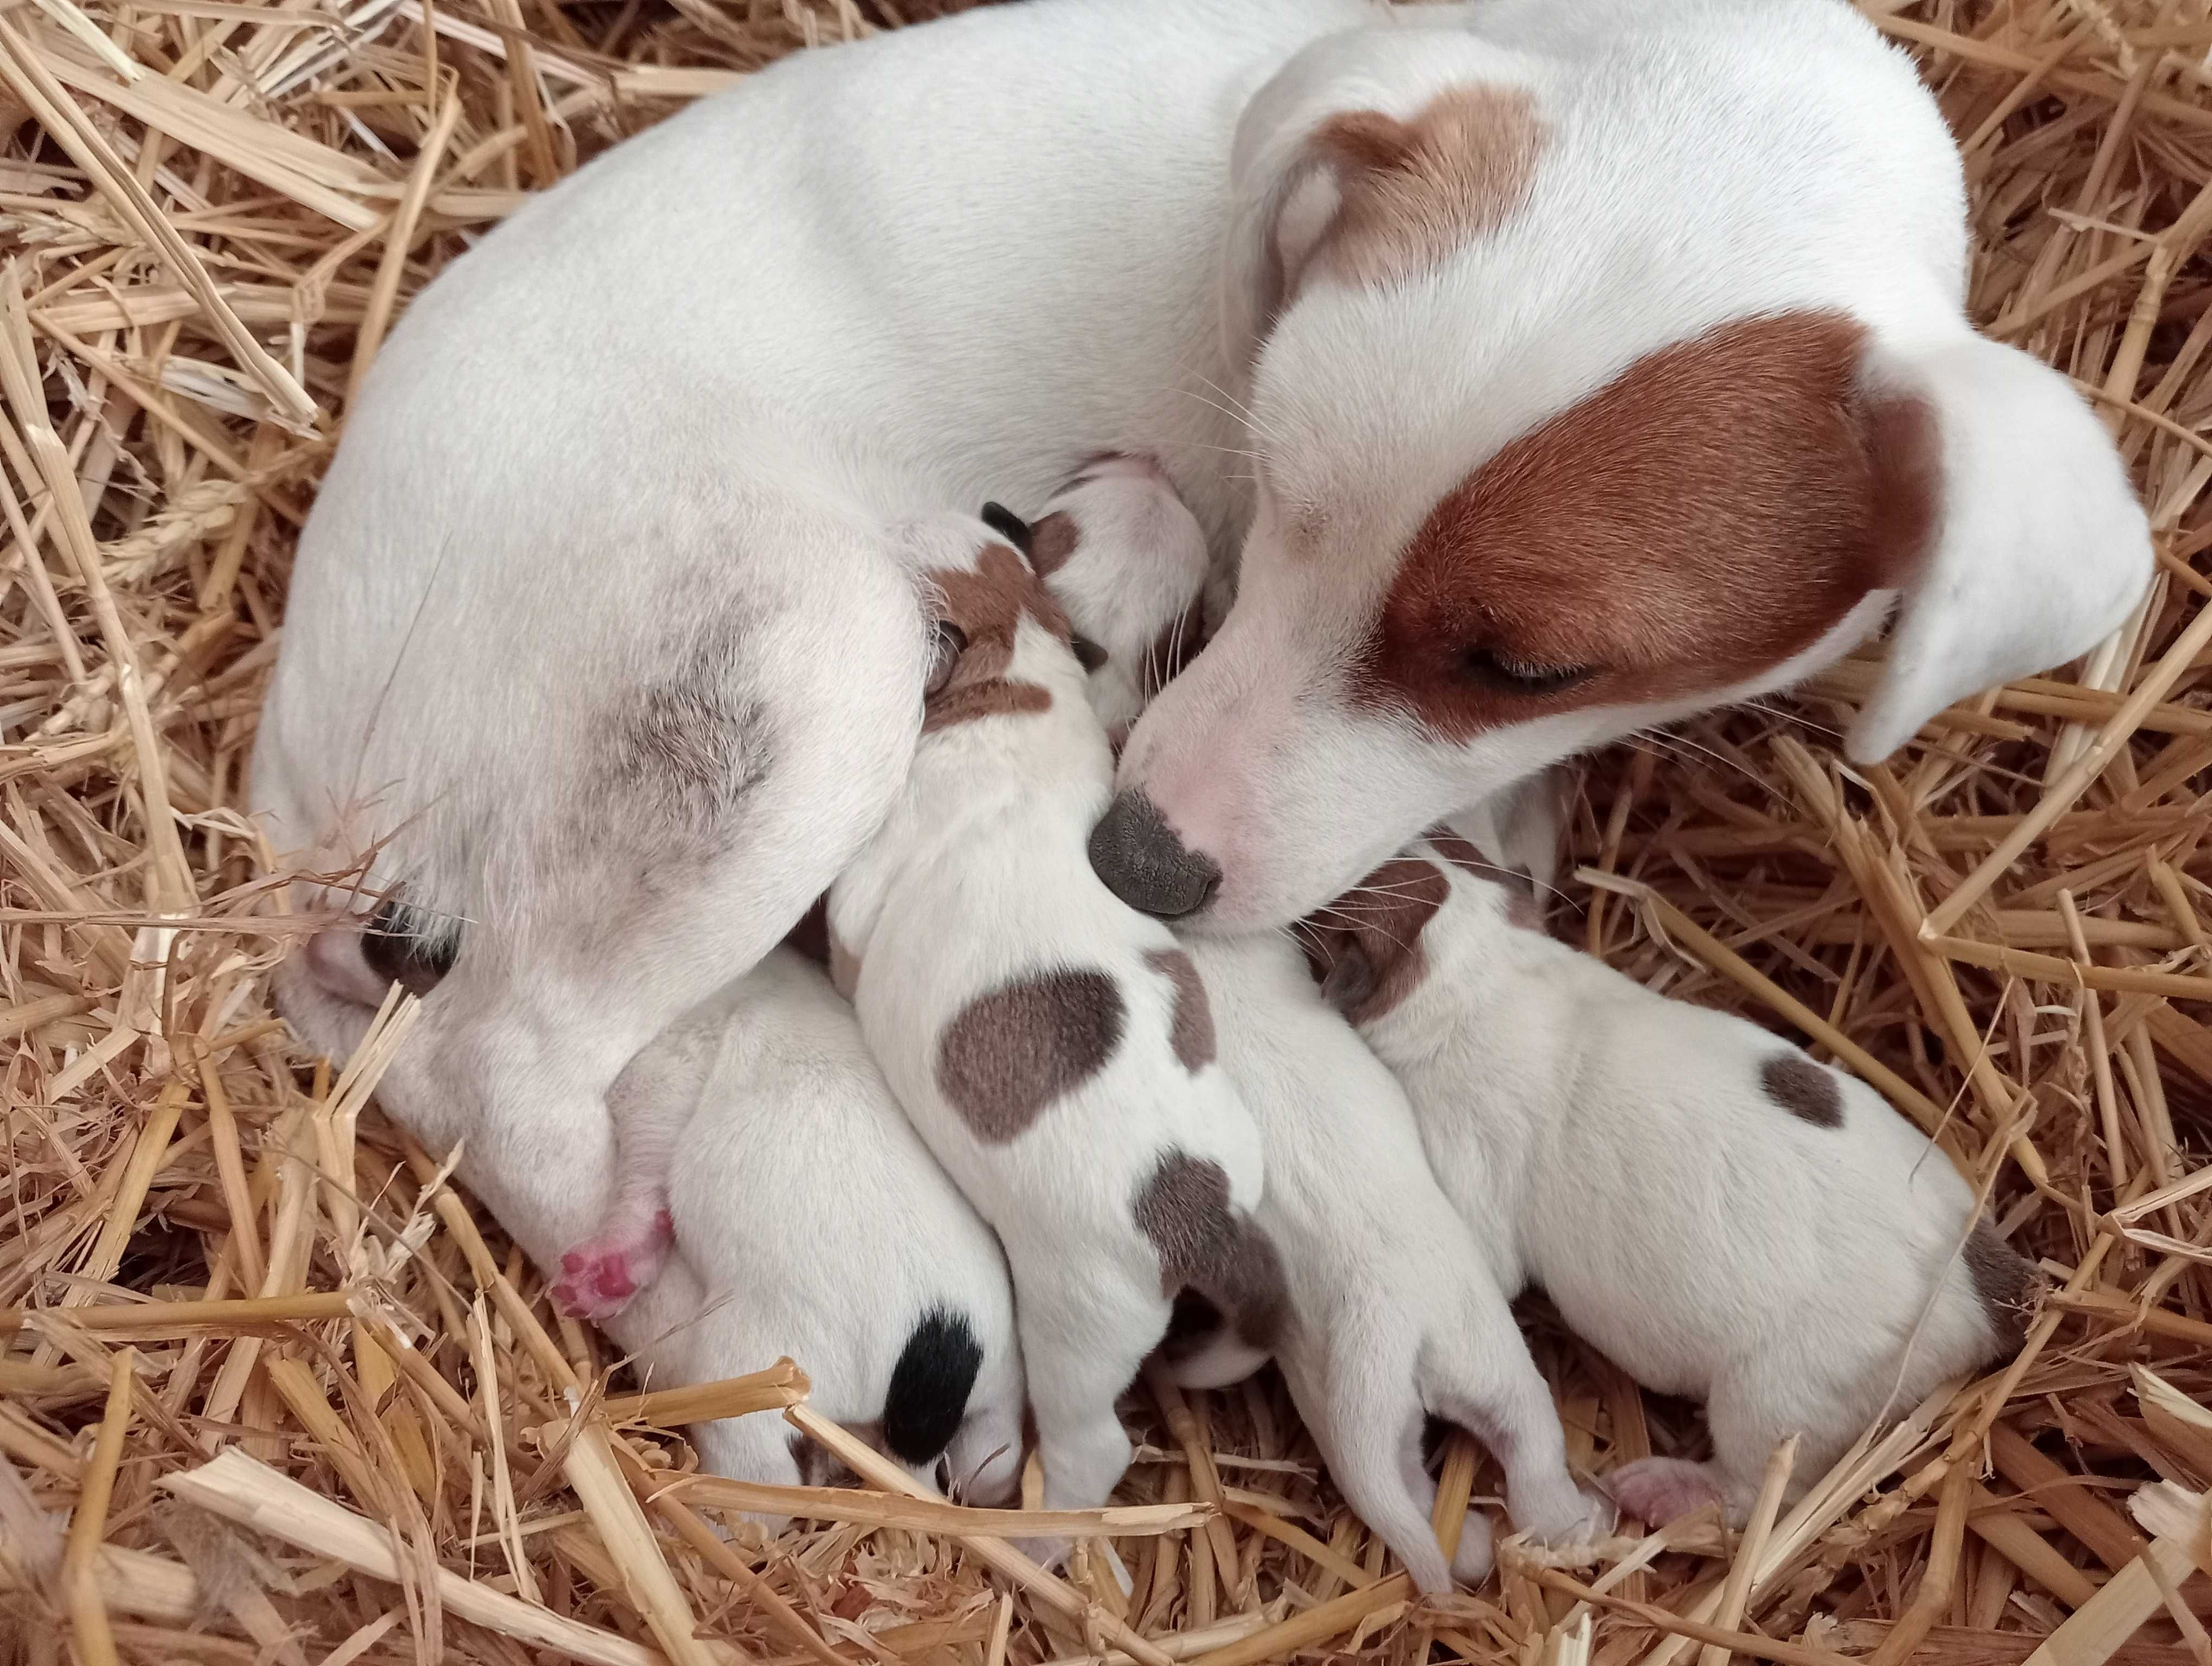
1657, 1490
599, 1276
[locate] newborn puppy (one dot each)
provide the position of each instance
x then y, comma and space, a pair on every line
1724, 1217
836, 1240
1053, 1046
1127, 559
1394, 1315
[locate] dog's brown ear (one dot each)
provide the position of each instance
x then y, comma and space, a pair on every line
1365, 197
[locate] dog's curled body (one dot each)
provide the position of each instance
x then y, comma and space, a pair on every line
839, 1243
1053, 1046
1725, 1219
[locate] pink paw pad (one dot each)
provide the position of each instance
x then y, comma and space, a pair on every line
1656, 1491
600, 1275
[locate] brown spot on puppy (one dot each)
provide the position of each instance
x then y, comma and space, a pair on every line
1190, 1029
1716, 508
1523, 907
1206, 1243
1365, 947
1052, 540
1012, 1051
1413, 191
2006, 1282
1803, 1088
988, 606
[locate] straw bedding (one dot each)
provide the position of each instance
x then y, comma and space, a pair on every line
210, 1247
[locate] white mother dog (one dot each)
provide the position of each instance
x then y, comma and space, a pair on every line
1606, 362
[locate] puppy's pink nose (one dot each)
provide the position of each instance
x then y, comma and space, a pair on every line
1137, 855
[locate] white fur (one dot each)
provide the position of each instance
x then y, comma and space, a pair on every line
1619, 1149
1394, 1315
979, 881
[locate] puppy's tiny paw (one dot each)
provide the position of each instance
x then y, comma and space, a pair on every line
1472, 1562
1047, 1554
1657, 1490
600, 1275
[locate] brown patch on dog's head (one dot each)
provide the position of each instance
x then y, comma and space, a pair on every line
1190, 1029
1010, 1053
1411, 192
1205, 1242
986, 607
2006, 1282
1715, 509
1365, 947
1803, 1088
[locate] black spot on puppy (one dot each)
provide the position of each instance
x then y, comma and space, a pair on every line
400, 948
1012, 1051
1205, 1242
1803, 1088
2006, 1282
930, 1385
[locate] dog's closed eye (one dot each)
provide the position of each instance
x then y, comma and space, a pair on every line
951, 643
1510, 674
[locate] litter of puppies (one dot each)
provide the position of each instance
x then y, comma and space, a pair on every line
166, 1147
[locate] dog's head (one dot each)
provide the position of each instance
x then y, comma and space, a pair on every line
1126, 560
1556, 439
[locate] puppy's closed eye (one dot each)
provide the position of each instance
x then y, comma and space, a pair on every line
951, 643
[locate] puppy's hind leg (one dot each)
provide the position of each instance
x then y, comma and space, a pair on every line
1482, 1379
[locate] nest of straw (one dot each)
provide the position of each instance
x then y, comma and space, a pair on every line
272, 1391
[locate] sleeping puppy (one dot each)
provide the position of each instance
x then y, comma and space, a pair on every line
1724, 1217
1394, 1315
1053, 1046
817, 1227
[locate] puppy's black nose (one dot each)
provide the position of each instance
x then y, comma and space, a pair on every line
1142, 862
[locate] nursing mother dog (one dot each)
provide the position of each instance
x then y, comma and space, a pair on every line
1560, 366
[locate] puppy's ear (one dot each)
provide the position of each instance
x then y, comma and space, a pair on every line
1010, 527
1351, 980
2038, 550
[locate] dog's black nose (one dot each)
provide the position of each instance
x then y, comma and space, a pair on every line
1138, 855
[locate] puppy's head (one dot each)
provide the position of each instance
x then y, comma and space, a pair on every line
1379, 947
1548, 451
1127, 561
1002, 643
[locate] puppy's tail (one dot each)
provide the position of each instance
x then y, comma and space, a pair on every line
930, 1386
2007, 1285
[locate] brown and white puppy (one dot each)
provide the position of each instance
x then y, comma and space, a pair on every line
1724, 1218
1609, 364
1052, 1045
